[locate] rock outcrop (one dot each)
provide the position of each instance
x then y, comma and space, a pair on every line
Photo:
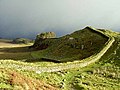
45, 35
40, 38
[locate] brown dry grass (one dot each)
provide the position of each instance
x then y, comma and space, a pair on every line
27, 83
20, 82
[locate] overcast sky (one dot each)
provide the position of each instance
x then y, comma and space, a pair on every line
26, 18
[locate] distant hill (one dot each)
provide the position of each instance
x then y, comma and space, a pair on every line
5, 40
22, 41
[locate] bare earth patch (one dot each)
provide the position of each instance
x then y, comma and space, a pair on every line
17, 81
27, 83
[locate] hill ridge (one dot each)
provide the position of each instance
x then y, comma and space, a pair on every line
76, 64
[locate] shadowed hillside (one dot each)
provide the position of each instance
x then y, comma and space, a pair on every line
78, 45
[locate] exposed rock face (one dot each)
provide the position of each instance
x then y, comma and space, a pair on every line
45, 35
40, 38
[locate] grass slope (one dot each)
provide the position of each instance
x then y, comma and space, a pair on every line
104, 74
76, 46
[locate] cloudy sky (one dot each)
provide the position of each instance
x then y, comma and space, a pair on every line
26, 18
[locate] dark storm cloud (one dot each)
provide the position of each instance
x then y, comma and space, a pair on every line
26, 18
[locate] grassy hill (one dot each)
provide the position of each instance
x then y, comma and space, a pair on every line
104, 74
24, 69
76, 46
